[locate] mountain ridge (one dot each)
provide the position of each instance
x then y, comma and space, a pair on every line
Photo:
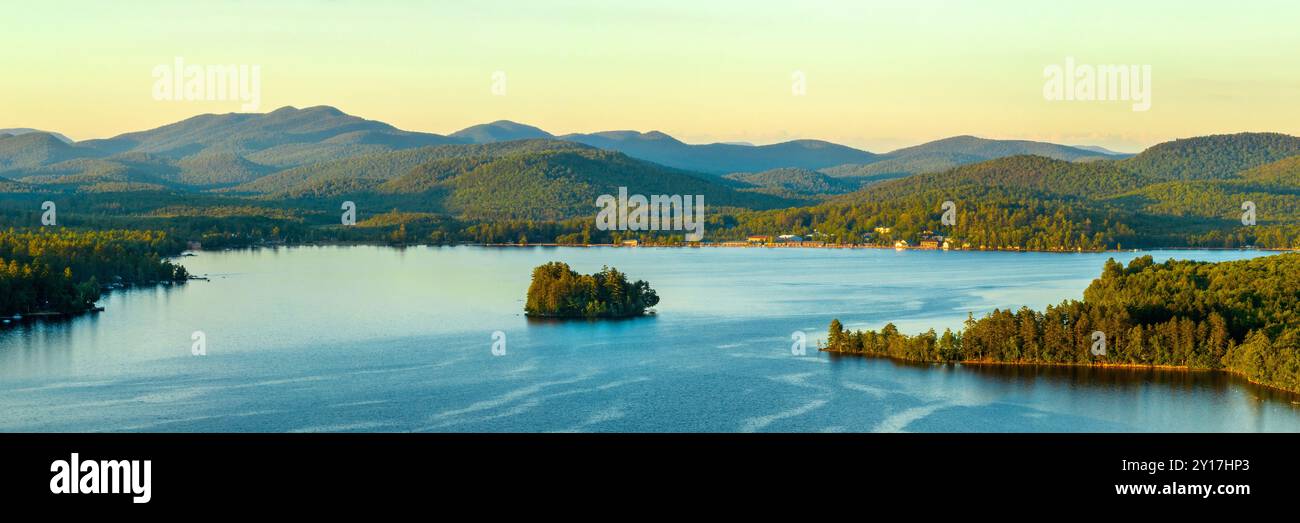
314, 150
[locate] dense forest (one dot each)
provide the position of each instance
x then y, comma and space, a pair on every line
1240, 316
1187, 193
560, 292
64, 271
795, 184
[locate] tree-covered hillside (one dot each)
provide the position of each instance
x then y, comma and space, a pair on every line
1032, 202
247, 133
793, 183
370, 170
1209, 157
941, 155
723, 158
565, 184
1187, 193
31, 150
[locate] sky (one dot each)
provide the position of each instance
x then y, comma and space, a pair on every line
871, 74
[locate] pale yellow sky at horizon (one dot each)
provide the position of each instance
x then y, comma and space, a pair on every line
879, 75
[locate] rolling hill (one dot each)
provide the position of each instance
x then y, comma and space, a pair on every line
208, 150
1182, 193
124, 172
1217, 156
789, 181
214, 151
557, 184
1014, 192
1282, 173
890, 168
219, 169
1102, 150
30, 150
723, 158
660, 148
279, 134
1237, 157
1010, 193
328, 178
988, 149
499, 131
529, 179
15, 131
941, 155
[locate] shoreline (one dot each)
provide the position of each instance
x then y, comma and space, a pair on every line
93, 309
727, 245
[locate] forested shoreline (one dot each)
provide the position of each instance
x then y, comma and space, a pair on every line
64, 271
1241, 317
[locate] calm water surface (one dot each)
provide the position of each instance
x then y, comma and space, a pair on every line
380, 339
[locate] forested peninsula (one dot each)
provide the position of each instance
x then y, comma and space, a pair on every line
62, 272
1241, 317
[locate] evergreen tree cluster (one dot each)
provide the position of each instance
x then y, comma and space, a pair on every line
560, 292
62, 271
1241, 316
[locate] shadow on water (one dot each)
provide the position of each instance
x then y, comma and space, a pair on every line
42, 324
545, 320
1109, 378
48, 341
1132, 377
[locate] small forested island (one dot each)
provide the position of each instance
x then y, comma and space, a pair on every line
1240, 316
62, 272
560, 292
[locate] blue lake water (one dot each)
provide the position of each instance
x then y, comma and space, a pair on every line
366, 338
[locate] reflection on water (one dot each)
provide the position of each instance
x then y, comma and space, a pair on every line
377, 339
1178, 381
540, 321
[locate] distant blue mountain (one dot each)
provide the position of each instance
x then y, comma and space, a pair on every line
499, 131
27, 130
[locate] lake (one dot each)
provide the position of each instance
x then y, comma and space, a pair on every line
364, 338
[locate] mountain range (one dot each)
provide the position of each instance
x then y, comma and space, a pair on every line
505, 170
1183, 193
27, 130
213, 151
